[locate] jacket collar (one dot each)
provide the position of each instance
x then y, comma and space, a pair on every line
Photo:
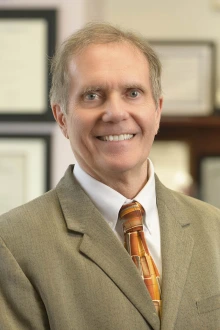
176, 249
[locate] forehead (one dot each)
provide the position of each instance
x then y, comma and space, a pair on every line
121, 53
110, 63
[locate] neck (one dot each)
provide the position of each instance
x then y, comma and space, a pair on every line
129, 189
127, 184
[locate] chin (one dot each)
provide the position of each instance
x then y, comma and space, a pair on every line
119, 168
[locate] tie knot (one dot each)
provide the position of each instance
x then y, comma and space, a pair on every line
132, 215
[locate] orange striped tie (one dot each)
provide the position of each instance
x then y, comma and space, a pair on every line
135, 244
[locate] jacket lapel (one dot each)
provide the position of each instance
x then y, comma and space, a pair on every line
101, 245
176, 248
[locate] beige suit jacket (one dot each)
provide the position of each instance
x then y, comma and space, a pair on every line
62, 267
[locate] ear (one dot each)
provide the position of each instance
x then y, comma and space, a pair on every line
60, 118
158, 114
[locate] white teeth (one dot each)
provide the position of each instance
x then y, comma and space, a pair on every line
120, 137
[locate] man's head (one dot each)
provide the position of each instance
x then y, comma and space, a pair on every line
98, 33
103, 100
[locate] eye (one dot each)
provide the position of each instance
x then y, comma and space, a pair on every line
90, 96
133, 93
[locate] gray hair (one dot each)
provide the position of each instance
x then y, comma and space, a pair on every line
97, 33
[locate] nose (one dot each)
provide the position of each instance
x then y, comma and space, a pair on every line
115, 110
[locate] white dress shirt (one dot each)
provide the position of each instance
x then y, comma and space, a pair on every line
109, 202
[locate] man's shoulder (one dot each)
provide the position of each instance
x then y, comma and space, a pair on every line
200, 206
36, 209
32, 228
179, 202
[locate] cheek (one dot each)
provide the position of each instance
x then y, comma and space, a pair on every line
80, 120
74, 123
154, 121
79, 131
149, 125
72, 129
157, 124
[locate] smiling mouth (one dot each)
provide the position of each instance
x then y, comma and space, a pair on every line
121, 137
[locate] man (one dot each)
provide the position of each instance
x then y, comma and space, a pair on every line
63, 265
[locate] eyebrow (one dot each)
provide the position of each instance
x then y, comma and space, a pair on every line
95, 88
91, 89
134, 85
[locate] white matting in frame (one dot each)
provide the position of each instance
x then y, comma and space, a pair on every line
210, 180
216, 3
171, 161
23, 65
22, 170
187, 77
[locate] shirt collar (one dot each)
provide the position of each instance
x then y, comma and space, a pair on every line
147, 196
109, 202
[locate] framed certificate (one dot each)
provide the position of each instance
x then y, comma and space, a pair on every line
171, 161
188, 77
209, 179
27, 39
24, 169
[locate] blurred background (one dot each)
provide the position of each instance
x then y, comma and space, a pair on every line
186, 153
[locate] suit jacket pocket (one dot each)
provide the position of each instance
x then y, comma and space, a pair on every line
208, 304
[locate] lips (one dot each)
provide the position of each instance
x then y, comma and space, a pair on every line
121, 137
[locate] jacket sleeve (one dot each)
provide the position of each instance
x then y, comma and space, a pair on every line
21, 308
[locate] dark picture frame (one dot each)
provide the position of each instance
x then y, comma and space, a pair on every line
29, 38
189, 76
25, 171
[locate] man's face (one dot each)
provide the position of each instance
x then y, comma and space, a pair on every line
111, 118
